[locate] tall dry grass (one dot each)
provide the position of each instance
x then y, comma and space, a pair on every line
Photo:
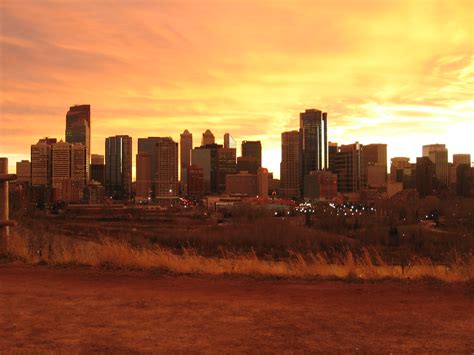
60, 250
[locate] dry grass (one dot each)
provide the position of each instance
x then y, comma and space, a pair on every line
60, 250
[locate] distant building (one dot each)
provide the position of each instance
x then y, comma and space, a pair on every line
195, 182
398, 168
320, 186
229, 141
208, 138
313, 140
252, 149
290, 165
185, 146
332, 151
374, 164
144, 180
465, 180
262, 182
425, 172
248, 164
201, 157
226, 164
348, 166
167, 168
241, 184
41, 162
78, 130
459, 159
438, 154
95, 193
23, 171
97, 169
148, 146
118, 167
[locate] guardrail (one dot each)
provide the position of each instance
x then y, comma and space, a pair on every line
5, 222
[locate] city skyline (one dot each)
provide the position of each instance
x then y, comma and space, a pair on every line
399, 73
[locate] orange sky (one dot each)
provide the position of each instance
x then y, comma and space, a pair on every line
396, 72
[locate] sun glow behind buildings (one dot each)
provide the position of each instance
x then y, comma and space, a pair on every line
395, 72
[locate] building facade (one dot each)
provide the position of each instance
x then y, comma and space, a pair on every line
252, 149
185, 147
78, 130
290, 176
118, 167
167, 184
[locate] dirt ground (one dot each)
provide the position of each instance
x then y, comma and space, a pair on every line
85, 310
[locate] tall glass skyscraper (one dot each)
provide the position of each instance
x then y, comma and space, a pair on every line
78, 130
118, 167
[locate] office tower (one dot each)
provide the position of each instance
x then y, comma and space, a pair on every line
248, 164
375, 164
320, 186
262, 182
252, 149
459, 159
201, 158
195, 182
207, 138
399, 167
144, 180
332, 151
425, 173
68, 173
290, 165
229, 141
348, 167
226, 164
185, 146
118, 167
148, 146
97, 169
23, 171
313, 141
41, 162
167, 184
438, 154
78, 130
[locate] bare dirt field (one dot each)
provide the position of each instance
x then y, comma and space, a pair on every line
86, 310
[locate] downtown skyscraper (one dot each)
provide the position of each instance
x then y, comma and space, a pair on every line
118, 167
185, 146
78, 130
313, 142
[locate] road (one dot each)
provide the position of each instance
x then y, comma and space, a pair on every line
85, 310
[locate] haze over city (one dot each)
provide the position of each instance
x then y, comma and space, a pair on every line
395, 72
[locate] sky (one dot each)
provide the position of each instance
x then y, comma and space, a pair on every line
395, 72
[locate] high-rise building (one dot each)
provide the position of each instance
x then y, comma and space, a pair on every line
167, 184
290, 165
23, 171
68, 170
375, 164
425, 172
313, 142
252, 149
438, 154
459, 159
464, 180
97, 169
41, 162
144, 180
226, 164
248, 164
78, 130
195, 182
398, 168
201, 158
332, 151
207, 138
262, 182
349, 168
229, 141
185, 146
118, 167
148, 146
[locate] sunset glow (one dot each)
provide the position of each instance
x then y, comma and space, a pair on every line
395, 72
